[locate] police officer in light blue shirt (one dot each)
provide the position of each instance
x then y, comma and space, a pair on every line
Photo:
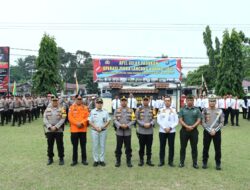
99, 120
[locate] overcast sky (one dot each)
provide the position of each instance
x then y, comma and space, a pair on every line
120, 27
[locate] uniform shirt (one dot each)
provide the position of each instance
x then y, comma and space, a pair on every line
78, 114
204, 103
17, 105
198, 103
190, 115
123, 116
116, 104
212, 119
1, 104
53, 116
159, 103
144, 115
99, 117
229, 102
132, 103
152, 103
248, 103
167, 118
236, 104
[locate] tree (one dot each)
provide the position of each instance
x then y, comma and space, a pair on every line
213, 54
24, 69
47, 78
230, 75
195, 77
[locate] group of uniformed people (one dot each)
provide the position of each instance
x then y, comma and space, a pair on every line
21, 109
124, 118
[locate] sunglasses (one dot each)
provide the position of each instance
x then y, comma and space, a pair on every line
99, 102
79, 98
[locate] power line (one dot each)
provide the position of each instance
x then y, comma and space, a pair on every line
114, 55
119, 26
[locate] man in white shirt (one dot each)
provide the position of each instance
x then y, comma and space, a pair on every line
115, 103
132, 103
167, 119
248, 107
230, 102
152, 103
235, 111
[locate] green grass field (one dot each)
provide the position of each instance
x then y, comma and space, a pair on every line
23, 164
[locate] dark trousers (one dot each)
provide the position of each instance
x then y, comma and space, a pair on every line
235, 115
244, 113
75, 139
51, 138
16, 118
193, 137
27, 115
217, 146
127, 143
226, 114
6, 115
2, 117
163, 139
145, 141
10, 115
248, 114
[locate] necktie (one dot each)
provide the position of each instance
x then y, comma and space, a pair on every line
116, 104
225, 104
130, 102
236, 104
151, 104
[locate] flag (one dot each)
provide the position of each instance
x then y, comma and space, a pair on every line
14, 89
77, 87
203, 83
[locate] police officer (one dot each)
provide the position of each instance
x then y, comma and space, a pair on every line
99, 120
145, 120
167, 119
189, 118
212, 123
53, 123
123, 119
16, 114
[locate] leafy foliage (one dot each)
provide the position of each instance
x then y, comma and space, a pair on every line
47, 78
230, 75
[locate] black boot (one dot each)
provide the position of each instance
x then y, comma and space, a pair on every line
149, 163
50, 161
61, 161
141, 162
118, 162
129, 164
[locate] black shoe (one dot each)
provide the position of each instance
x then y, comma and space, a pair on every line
204, 165
237, 125
218, 167
118, 164
102, 164
73, 163
181, 165
149, 163
61, 162
161, 164
95, 164
85, 163
195, 166
171, 164
141, 163
129, 164
50, 161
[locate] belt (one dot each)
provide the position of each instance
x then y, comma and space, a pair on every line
103, 129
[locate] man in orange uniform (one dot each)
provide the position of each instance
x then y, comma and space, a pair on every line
78, 119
